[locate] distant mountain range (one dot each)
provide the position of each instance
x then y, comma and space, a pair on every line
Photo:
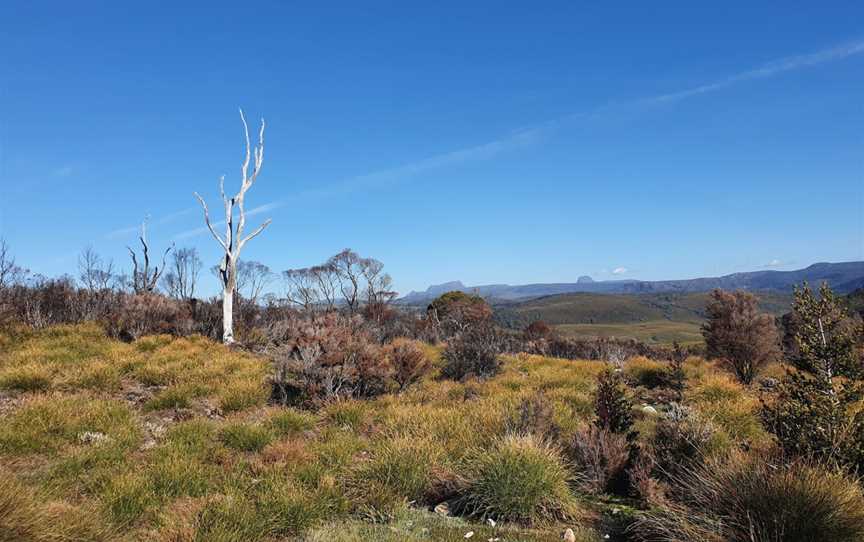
842, 277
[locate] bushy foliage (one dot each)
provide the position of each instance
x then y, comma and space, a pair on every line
520, 478
747, 500
454, 312
815, 412
330, 357
534, 416
407, 360
472, 353
613, 406
737, 334
600, 459
137, 315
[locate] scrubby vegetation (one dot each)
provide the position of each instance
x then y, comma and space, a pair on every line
360, 421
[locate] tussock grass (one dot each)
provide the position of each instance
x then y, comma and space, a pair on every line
245, 437
521, 479
746, 499
192, 452
398, 472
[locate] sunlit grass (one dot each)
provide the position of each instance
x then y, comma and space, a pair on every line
172, 439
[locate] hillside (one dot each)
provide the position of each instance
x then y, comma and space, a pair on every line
842, 277
654, 318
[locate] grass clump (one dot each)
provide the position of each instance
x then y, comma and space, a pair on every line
521, 479
747, 499
49, 422
242, 395
30, 377
245, 437
26, 517
289, 421
400, 471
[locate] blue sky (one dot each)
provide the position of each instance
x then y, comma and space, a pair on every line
482, 141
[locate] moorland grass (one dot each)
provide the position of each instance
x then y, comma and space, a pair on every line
186, 448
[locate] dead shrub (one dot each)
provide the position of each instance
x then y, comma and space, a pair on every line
408, 361
600, 459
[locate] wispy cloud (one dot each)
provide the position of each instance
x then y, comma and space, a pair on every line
619, 271
129, 230
380, 179
533, 134
770, 69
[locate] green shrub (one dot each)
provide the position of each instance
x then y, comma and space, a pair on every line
245, 437
520, 478
612, 403
746, 500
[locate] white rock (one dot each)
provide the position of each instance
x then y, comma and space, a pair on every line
469, 534
491, 522
648, 409
442, 509
569, 536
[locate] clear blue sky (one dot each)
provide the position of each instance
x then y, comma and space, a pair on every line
482, 141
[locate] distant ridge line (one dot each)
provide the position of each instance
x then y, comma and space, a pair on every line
843, 277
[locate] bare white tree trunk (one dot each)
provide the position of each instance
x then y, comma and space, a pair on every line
233, 241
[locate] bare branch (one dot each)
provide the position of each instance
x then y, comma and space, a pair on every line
253, 234
207, 219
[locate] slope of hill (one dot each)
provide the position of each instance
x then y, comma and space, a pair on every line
654, 318
843, 277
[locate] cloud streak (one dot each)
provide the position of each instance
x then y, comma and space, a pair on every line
771, 69
532, 134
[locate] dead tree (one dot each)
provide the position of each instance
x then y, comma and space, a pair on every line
181, 279
145, 279
234, 241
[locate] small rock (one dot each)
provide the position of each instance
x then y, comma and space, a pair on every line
442, 509
648, 409
491, 522
569, 536
92, 437
605, 537
469, 534
615, 511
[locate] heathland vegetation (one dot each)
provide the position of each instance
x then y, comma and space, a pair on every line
334, 414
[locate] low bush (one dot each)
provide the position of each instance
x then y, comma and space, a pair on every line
473, 353
535, 415
408, 361
328, 358
746, 500
519, 478
600, 459
681, 440
134, 316
613, 405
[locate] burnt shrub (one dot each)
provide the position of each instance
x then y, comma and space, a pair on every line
136, 315
328, 358
473, 353
408, 361
600, 459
